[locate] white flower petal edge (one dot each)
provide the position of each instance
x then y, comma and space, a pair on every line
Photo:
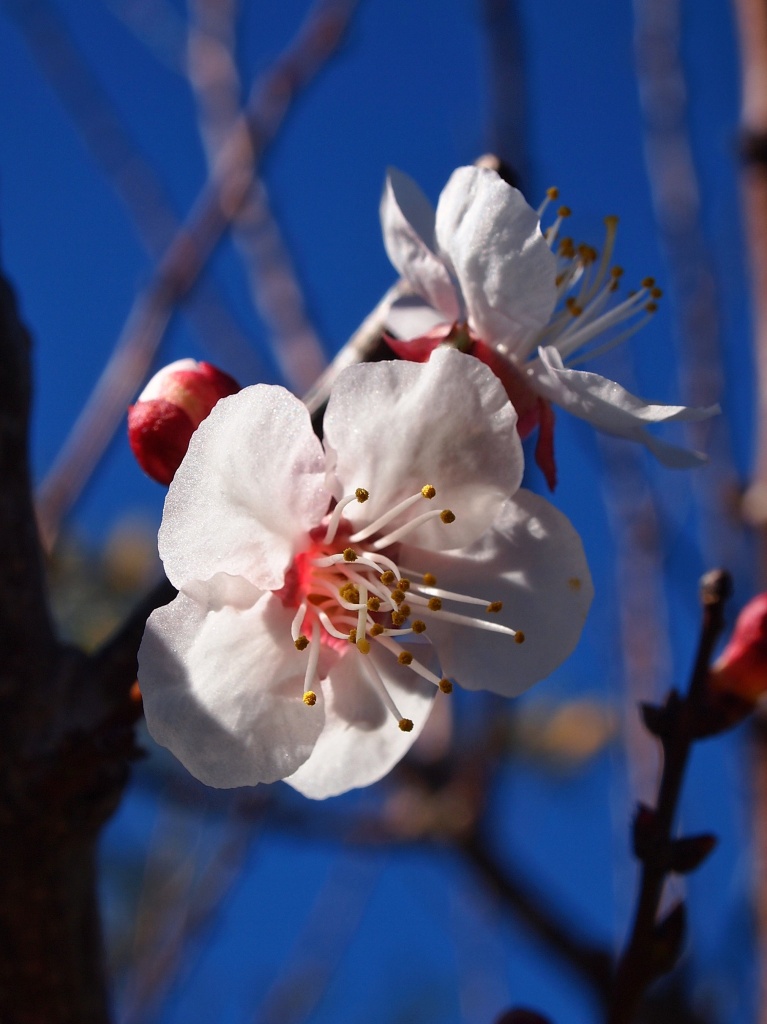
447, 423
503, 264
534, 562
252, 480
358, 745
223, 691
613, 410
407, 217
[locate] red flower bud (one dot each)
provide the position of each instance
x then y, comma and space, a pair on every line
169, 410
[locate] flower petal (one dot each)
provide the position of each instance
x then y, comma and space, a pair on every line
411, 317
251, 485
407, 220
361, 741
223, 685
503, 264
612, 409
533, 561
395, 426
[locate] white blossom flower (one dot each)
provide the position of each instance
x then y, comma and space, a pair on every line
310, 579
486, 278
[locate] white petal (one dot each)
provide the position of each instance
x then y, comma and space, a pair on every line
612, 409
503, 264
223, 686
396, 426
361, 741
411, 317
156, 385
407, 220
533, 561
250, 486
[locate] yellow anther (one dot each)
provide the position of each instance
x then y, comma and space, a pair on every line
651, 307
656, 293
553, 192
573, 308
564, 211
352, 636
574, 583
403, 584
519, 637
349, 593
350, 555
363, 645
446, 686
361, 495
398, 619
494, 606
429, 579
374, 603
611, 220
648, 282
559, 279
405, 658
428, 491
435, 604
405, 610
387, 578
616, 271
566, 248
310, 698
376, 629
301, 643
447, 516
405, 725
419, 626
397, 596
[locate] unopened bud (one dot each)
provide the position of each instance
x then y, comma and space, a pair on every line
169, 410
741, 669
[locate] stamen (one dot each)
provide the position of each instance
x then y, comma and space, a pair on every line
383, 542
311, 666
415, 665
429, 579
405, 658
551, 195
298, 619
301, 643
360, 495
467, 620
362, 615
329, 627
450, 595
403, 584
427, 491
419, 626
380, 686
446, 686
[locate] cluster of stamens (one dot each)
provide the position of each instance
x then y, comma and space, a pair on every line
586, 283
348, 589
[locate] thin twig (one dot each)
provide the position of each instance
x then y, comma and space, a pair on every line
270, 101
653, 947
274, 287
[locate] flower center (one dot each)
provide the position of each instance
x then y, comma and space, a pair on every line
348, 589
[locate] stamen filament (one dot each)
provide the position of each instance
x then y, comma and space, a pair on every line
330, 628
448, 595
314, 659
298, 619
387, 517
600, 350
335, 518
395, 535
468, 620
380, 687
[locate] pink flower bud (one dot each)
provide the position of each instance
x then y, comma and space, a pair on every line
741, 669
169, 410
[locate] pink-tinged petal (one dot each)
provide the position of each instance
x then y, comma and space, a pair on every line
544, 447
223, 685
361, 741
411, 317
533, 561
612, 409
396, 426
252, 484
503, 264
407, 220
